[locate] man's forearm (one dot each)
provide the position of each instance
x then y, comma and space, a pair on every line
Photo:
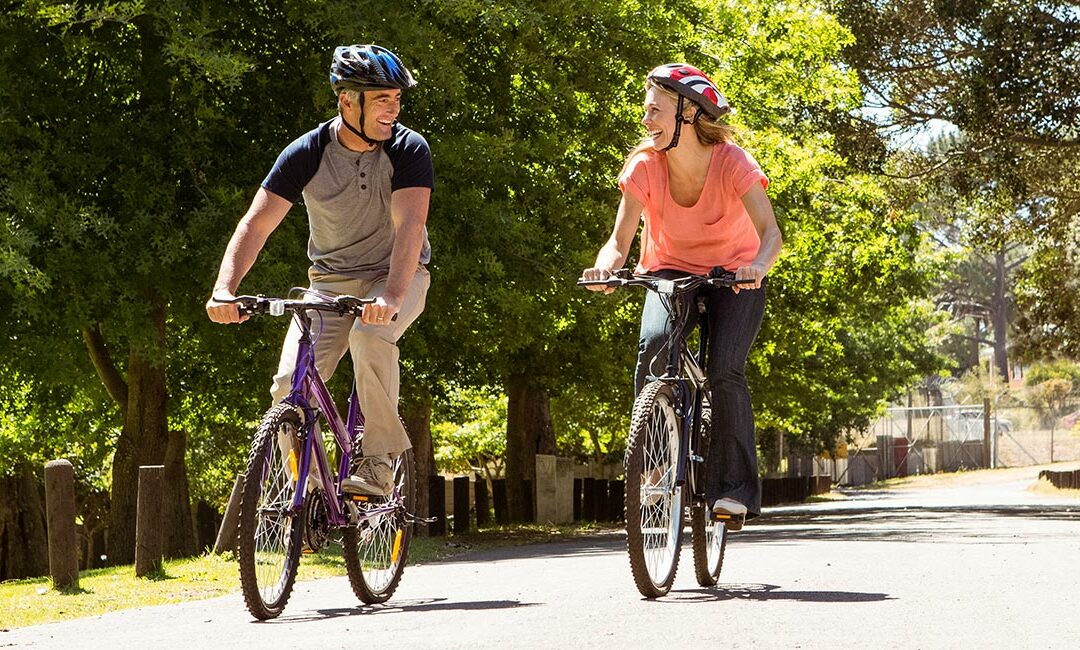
405, 257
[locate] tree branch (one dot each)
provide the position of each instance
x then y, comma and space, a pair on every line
103, 364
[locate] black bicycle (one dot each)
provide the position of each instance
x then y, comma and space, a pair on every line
667, 447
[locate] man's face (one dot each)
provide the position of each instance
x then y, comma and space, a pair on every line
381, 108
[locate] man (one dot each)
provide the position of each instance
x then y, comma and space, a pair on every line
366, 182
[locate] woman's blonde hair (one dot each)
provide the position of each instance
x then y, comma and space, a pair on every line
707, 130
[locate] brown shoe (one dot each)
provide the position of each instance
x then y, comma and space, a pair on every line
373, 477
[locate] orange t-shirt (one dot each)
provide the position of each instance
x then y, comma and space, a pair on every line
716, 231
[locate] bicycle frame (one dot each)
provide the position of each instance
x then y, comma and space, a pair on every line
690, 385
306, 382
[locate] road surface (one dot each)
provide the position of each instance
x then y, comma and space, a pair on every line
982, 561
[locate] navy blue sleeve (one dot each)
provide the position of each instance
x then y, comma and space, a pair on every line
297, 164
410, 157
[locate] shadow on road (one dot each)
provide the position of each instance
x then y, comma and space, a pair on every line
398, 607
769, 592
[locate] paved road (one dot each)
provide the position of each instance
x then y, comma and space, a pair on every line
981, 562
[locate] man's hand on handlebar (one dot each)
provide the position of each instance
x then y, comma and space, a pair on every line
220, 311
380, 312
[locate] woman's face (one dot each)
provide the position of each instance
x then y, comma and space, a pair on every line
659, 119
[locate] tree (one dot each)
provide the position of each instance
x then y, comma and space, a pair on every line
113, 203
1005, 77
529, 108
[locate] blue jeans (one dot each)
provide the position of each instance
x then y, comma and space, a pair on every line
734, 320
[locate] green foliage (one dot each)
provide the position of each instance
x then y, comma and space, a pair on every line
1060, 369
132, 137
1002, 78
469, 433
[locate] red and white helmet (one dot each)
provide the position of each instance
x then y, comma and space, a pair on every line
692, 84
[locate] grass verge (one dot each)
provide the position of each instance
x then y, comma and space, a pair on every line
33, 601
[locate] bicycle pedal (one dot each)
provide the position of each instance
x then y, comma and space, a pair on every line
367, 498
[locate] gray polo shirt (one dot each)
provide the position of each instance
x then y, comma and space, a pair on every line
347, 195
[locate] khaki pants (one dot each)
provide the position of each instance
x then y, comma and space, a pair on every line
374, 355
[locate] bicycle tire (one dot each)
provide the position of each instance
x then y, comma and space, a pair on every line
377, 549
269, 538
708, 549
709, 543
653, 503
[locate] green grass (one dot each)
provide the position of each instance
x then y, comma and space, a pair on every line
33, 601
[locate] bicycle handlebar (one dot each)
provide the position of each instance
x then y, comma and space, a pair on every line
340, 305
624, 278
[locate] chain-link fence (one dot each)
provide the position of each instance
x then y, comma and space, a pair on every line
930, 439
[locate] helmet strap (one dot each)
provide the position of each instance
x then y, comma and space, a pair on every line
678, 126
359, 132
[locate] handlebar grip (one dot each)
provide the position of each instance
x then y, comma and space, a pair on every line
610, 282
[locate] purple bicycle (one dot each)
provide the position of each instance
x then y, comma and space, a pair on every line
293, 502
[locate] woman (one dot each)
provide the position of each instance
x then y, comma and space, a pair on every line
704, 204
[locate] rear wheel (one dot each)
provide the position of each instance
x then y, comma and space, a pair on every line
709, 537
270, 532
653, 502
376, 550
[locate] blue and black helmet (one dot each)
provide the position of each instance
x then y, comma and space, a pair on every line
368, 67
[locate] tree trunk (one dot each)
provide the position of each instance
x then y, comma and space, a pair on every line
417, 417
180, 538
146, 440
529, 431
517, 455
999, 316
24, 550
143, 441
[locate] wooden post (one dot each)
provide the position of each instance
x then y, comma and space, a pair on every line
483, 504
437, 505
149, 529
988, 458
600, 507
577, 498
498, 497
60, 518
461, 505
588, 508
615, 500
230, 522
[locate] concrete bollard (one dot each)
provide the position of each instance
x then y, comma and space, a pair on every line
546, 489
230, 522
149, 531
60, 519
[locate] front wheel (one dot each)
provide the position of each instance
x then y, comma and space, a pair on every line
653, 501
377, 548
270, 531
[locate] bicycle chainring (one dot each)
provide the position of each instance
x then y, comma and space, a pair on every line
317, 523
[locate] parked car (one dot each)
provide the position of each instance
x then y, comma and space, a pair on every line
973, 422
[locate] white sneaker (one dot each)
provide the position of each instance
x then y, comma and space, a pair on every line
373, 476
731, 512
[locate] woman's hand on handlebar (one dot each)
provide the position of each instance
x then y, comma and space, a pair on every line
596, 274
755, 272
220, 311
